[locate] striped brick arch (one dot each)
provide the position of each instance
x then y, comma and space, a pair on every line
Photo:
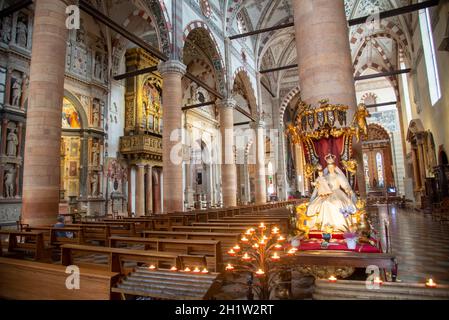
213, 52
285, 102
379, 69
249, 88
379, 49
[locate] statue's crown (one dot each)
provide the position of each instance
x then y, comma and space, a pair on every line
330, 158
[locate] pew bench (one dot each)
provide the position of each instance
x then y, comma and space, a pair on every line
227, 240
219, 229
116, 257
30, 280
209, 248
52, 235
20, 242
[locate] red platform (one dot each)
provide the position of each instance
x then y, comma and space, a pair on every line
336, 243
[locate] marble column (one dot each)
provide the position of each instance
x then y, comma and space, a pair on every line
149, 190
140, 190
261, 184
172, 72
324, 59
130, 206
157, 192
43, 134
228, 167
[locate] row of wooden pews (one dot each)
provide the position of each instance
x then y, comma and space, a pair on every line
147, 256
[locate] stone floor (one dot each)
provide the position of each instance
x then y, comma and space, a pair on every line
420, 244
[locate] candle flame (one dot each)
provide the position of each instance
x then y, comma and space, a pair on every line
174, 269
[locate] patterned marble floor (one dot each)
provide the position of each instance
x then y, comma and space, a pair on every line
420, 244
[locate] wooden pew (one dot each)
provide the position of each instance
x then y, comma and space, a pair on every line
30, 280
95, 232
209, 248
117, 256
21, 241
127, 228
52, 235
227, 240
219, 229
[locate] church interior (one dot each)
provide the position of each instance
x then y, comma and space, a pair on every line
224, 149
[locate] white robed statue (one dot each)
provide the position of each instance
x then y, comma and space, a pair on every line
333, 200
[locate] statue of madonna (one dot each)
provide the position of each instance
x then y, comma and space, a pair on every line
333, 200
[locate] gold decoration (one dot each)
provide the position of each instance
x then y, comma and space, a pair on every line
359, 121
324, 272
301, 219
350, 166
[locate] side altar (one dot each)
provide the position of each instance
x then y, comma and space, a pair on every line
333, 229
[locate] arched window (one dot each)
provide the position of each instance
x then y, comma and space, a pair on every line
380, 170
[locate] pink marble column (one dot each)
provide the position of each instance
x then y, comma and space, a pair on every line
324, 59
149, 190
172, 72
43, 134
261, 182
140, 190
157, 192
228, 167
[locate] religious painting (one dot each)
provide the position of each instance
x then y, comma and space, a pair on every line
73, 168
70, 116
151, 97
74, 148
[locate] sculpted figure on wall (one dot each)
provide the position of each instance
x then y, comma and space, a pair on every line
22, 32
13, 142
9, 183
5, 32
96, 113
94, 184
95, 154
98, 69
16, 92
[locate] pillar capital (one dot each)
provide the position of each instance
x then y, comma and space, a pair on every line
258, 124
172, 66
226, 103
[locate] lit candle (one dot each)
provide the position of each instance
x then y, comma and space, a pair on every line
246, 257
281, 238
264, 237
187, 269
275, 257
236, 248
260, 273
262, 225
205, 271
332, 279
262, 242
248, 232
152, 267
292, 251
430, 283
255, 246
196, 270
244, 239
278, 246
377, 280
174, 269
231, 252
275, 230
229, 267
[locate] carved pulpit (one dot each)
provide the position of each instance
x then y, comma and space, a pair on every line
142, 142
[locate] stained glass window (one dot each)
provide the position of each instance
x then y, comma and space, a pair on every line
380, 170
